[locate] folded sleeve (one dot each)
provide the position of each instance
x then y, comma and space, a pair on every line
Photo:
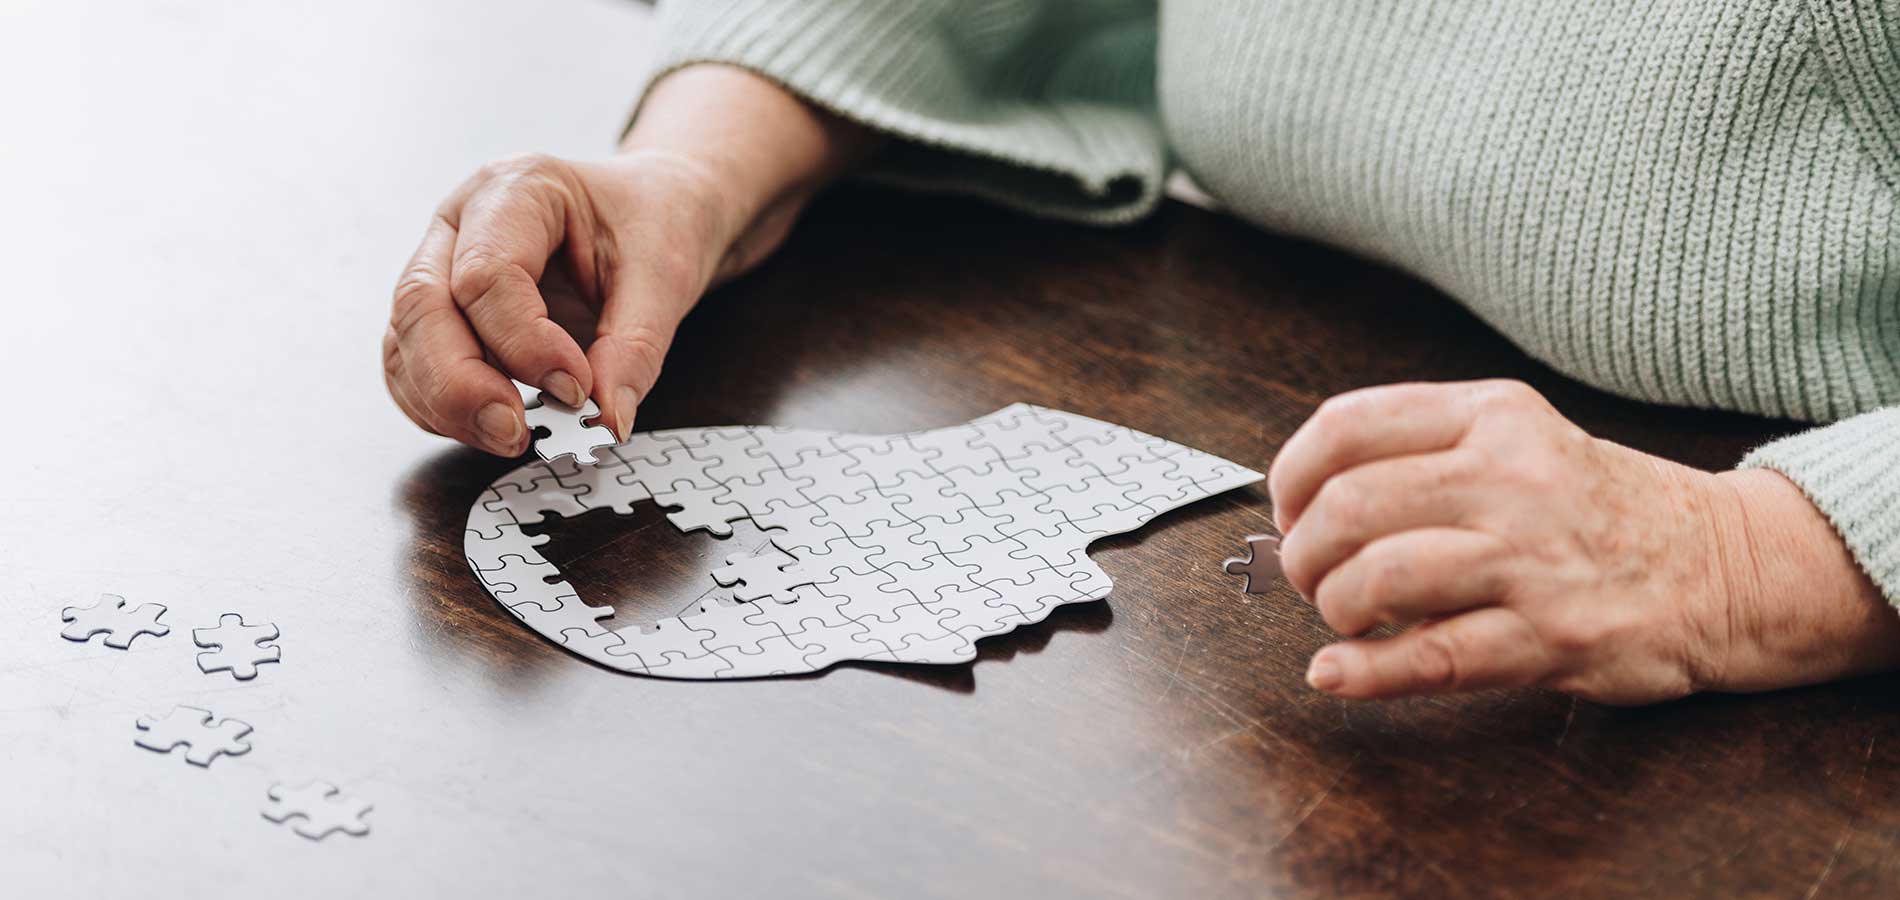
1041, 105
1851, 471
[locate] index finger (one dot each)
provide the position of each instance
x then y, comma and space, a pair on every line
506, 231
1361, 426
442, 367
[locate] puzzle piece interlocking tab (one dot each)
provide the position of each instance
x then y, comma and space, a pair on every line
904, 548
1261, 565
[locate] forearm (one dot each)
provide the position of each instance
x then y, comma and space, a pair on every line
761, 151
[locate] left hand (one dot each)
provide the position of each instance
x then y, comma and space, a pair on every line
1526, 552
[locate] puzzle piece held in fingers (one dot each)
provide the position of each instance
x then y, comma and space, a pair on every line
567, 431
1261, 565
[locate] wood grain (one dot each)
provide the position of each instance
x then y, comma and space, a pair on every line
201, 265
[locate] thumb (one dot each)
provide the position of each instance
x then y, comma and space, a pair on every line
636, 328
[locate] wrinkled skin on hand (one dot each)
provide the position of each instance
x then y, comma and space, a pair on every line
634, 234
716, 168
1515, 549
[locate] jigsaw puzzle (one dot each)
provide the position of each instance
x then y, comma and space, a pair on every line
319, 807
192, 728
905, 548
568, 433
236, 647
1261, 564
114, 619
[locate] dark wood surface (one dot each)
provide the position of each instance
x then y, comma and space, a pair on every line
207, 215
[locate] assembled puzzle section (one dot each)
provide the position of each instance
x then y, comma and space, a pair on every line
905, 548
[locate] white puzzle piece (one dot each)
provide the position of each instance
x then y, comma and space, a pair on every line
192, 728
568, 433
113, 617
318, 808
235, 647
903, 548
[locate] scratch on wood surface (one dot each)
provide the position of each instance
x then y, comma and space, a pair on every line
1847, 833
1831, 860
1865, 761
1174, 676
1310, 808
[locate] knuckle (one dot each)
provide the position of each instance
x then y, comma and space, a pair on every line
1507, 396
413, 292
409, 320
1329, 597
519, 164
392, 353
1535, 470
1340, 501
478, 268
1342, 610
1381, 574
1336, 412
1434, 660
1464, 466
1299, 564
1571, 635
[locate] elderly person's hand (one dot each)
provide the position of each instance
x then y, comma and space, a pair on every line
1526, 552
716, 168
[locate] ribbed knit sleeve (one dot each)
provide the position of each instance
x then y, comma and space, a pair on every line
1851, 470
1044, 106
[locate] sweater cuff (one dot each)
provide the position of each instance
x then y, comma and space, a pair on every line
1057, 122
1851, 472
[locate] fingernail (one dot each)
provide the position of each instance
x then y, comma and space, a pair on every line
1324, 674
499, 424
564, 388
625, 402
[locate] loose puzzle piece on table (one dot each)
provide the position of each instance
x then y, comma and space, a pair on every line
1261, 564
319, 808
568, 434
113, 618
236, 647
192, 727
905, 548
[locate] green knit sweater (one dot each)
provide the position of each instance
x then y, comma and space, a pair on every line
1694, 202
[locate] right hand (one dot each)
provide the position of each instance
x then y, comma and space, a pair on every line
708, 183
642, 239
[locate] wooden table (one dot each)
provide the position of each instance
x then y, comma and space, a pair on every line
205, 209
